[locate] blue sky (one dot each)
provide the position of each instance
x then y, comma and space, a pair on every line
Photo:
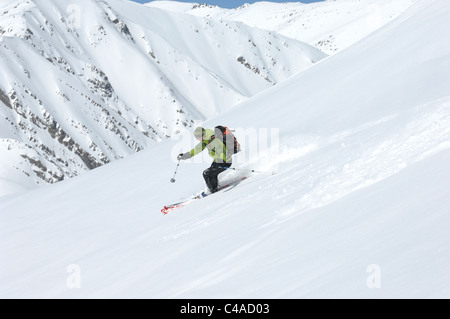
230, 3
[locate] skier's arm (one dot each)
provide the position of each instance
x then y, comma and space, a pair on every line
198, 149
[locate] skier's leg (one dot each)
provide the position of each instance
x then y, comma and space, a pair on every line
206, 176
211, 175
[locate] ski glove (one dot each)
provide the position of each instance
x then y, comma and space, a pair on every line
184, 156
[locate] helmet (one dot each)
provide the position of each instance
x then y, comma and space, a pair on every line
199, 132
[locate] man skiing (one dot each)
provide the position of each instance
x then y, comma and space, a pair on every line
216, 149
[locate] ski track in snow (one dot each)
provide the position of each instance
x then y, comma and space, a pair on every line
312, 181
368, 162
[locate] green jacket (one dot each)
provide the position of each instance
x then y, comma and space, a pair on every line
216, 148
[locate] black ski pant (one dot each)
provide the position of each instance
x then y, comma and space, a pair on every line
211, 175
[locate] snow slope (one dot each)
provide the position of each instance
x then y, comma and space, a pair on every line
85, 84
330, 26
359, 207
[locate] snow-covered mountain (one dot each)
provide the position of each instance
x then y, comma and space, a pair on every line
84, 84
330, 26
359, 207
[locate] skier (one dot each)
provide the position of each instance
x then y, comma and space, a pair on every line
216, 149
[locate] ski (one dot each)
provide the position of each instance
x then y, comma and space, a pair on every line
167, 209
171, 207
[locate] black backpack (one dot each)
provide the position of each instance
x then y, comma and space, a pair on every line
224, 134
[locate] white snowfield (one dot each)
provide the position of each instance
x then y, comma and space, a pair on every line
359, 206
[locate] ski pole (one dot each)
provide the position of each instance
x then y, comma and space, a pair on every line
172, 180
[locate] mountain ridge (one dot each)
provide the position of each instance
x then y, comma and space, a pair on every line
82, 85
330, 26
